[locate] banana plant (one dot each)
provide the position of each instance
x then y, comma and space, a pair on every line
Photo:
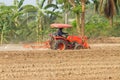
41, 11
11, 20
5, 21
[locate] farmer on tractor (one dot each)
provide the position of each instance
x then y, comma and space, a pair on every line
61, 33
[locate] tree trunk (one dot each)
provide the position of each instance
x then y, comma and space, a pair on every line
2, 35
38, 28
101, 5
1, 42
78, 23
66, 17
83, 17
111, 21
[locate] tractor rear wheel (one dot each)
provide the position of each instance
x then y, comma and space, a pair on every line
60, 45
78, 46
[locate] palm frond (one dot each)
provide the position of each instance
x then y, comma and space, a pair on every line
20, 3
51, 6
28, 8
53, 13
42, 3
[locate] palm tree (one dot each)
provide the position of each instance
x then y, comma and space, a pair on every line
109, 7
79, 9
83, 17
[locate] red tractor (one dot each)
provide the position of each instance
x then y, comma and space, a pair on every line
58, 42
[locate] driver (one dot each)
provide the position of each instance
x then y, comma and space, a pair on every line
60, 32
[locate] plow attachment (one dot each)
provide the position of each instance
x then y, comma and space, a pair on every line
38, 45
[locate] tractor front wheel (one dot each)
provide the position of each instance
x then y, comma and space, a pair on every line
78, 46
60, 45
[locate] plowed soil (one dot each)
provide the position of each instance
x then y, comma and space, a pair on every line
101, 62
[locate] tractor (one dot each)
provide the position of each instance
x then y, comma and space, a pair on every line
66, 41
61, 42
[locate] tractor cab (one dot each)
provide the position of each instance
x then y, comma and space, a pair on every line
60, 28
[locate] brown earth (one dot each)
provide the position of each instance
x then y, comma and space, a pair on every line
104, 40
101, 62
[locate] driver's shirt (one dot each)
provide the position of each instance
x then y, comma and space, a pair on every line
60, 33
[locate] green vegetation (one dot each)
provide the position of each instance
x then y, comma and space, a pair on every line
29, 23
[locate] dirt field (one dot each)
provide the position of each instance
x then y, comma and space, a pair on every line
101, 62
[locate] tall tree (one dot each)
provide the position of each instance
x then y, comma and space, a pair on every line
109, 7
83, 17
77, 9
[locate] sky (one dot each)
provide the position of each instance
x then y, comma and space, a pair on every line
10, 2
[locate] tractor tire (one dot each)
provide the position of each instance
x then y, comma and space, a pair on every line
78, 46
60, 45
52, 41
